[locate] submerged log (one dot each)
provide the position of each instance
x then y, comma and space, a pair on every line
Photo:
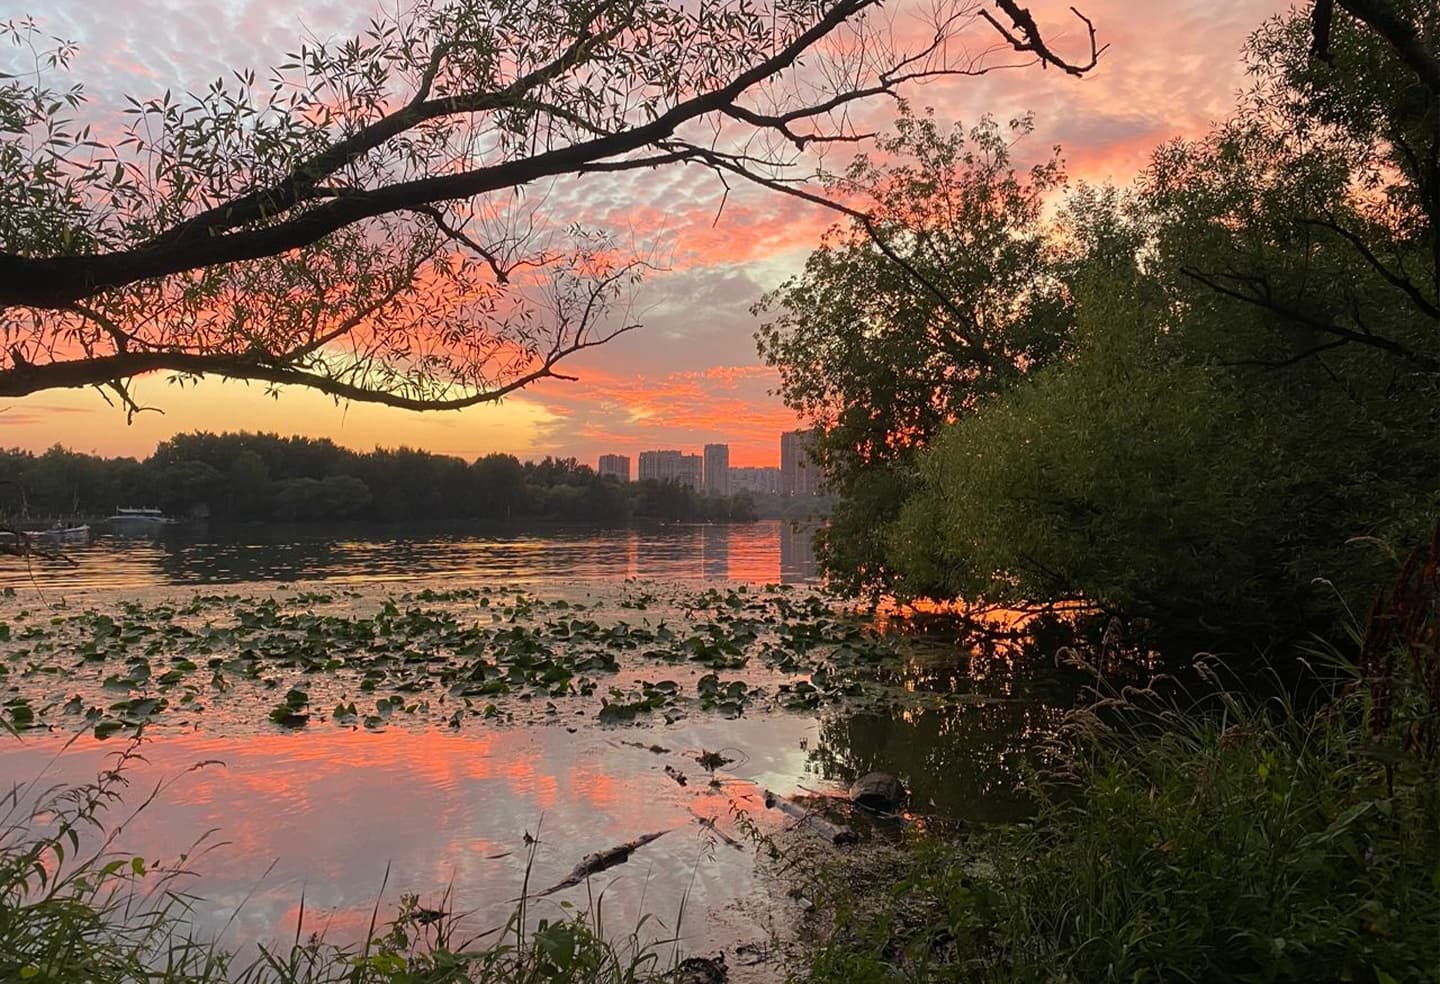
834, 833
600, 860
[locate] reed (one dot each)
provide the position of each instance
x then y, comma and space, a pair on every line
1198, 834
74, 909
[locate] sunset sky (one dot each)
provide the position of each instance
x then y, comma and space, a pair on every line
691, 375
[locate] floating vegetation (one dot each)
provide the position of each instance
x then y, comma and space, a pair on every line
432, 656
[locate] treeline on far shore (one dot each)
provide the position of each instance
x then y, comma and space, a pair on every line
246, 477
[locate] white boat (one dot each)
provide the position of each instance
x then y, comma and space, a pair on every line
138, 520
65, 534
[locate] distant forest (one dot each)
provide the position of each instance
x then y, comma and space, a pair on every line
248, 477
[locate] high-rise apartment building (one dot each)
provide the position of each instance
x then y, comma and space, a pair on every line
662, 466
615, 466
761, 480
691, 470
717, 469
671, 466
799, 475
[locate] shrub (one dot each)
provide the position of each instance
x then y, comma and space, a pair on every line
1231, 838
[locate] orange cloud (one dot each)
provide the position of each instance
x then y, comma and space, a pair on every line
1172, 68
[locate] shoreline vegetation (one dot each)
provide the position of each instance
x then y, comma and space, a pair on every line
1192, 833
243, 477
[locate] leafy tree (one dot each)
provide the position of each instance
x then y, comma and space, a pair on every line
247, 485
334, 497
496, 487
1317, 202
941, 292
358, 222
264, 476
1130, 475
185, 484
408, 483
1198, 455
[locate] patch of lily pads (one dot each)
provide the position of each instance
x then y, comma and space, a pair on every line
446, 657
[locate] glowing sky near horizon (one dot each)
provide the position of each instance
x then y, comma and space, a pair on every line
691, 375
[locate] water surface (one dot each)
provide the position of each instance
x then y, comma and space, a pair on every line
761, 552
340, 815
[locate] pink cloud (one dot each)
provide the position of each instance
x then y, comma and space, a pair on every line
690, 376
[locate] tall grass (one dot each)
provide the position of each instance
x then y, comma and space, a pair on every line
73, 910
1227, 837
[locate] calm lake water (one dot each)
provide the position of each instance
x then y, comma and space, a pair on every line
341, 815
763, 552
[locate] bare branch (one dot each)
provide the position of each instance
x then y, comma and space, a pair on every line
874, 233
1321, 20
1025, 35
18, 543
459, 236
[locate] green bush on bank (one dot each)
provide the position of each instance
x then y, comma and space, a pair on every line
1239, 839
1229, 849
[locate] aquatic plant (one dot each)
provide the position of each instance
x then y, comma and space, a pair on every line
434, 656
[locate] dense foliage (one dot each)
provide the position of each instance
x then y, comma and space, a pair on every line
944, 294
266, 477
1232, 838
1241, 381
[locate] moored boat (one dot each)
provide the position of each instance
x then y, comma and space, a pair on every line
65, 534
138, 520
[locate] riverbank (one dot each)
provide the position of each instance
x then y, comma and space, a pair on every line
1188, 835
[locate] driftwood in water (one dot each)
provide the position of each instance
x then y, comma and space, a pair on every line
833, 833
601, 860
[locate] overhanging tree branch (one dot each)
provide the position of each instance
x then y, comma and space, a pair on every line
1025, 35
876, 236
102, 371
1254, 291
1398, 280
1382, 18
368, 225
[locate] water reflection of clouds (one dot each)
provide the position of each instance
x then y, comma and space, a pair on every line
334, 810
